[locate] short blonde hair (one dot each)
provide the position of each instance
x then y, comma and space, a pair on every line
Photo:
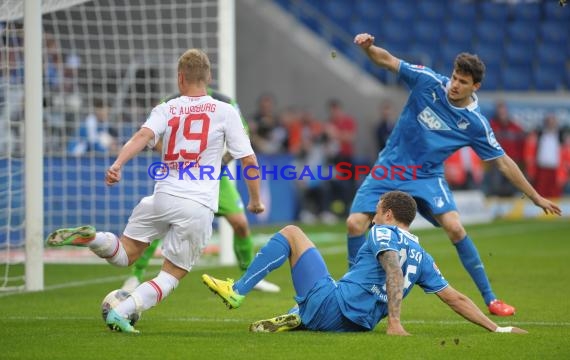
195, 66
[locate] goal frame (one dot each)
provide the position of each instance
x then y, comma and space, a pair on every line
33, 150
33, 89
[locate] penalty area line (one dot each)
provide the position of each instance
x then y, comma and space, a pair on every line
71, 284
234, 320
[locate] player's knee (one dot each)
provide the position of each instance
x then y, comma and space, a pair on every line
292, 233
355, 225
133, 248
455, 230
239, 224
240, 228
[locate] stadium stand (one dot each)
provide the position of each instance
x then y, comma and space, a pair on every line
509, 36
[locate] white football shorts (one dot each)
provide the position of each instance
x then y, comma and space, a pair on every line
184, 225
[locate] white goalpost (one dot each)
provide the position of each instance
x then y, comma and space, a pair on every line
33, 130
227, 80
93, 70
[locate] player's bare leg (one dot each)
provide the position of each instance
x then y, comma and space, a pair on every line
139, 267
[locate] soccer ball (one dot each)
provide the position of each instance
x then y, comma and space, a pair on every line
112, 300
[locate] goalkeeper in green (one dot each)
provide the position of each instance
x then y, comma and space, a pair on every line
231, 207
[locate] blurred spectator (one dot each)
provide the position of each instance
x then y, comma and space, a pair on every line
386, 123
62, 103
544, 155
95, 134
54, 116
53, 64
341, 127
464, 169
302, 129
564, 169
267, 135
512, 138
72, 101
311, 148
12, 89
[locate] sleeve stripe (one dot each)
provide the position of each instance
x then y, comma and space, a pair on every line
383, 250
493, 158
438, 290
426, 73
487, 130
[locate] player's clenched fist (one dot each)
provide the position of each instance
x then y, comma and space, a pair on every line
113, 175
256, 207
364, 40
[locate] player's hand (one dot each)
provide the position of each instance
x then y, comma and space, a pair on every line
113, 175
255, 207
364, 40
517, 330
547, 206
396, 329
510, 330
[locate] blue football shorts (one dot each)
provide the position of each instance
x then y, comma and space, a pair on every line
316, 295
432, 195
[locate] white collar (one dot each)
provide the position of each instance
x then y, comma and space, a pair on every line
471, 107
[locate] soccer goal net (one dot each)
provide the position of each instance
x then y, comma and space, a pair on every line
106, 63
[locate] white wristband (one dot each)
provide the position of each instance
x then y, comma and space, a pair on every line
506, 329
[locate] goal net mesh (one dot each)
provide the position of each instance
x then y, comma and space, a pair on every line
106, 63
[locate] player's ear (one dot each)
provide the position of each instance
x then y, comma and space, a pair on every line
476, 86
180, 79
389, 214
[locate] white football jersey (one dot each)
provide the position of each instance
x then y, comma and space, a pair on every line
194, 131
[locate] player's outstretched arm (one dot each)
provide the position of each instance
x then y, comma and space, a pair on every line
251, 169
378, 55
394, 285
138, 142
462, 305
512, 172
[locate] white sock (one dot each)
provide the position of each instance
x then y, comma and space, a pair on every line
148, 294
107, 245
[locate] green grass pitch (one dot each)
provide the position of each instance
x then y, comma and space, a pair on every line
527, 261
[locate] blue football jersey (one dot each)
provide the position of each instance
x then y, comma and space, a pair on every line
430, 129
362, 291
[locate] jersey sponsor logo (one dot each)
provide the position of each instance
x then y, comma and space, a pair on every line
429, 120
462, 124
382, 235
417, 66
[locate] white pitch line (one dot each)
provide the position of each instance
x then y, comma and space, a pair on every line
507, 229
457, 322
225, 320
71, 284
81, 283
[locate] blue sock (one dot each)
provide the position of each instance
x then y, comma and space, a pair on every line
354, 243
269, 258
472, 263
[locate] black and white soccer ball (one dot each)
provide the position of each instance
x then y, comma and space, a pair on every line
112, 300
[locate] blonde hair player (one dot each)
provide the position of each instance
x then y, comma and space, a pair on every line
194, 127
